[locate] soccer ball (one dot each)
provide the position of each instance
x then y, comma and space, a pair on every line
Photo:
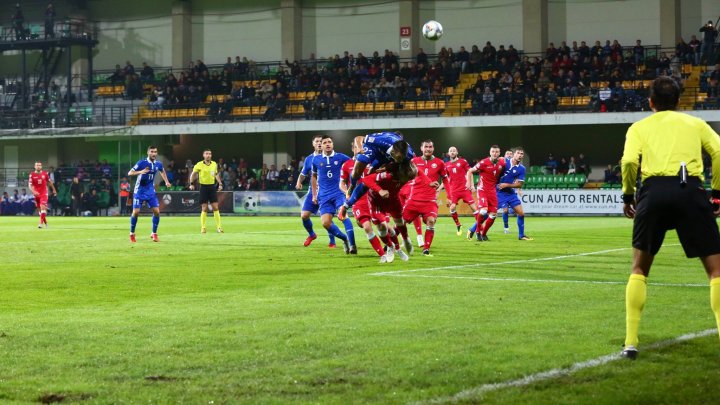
250, 203
432, 30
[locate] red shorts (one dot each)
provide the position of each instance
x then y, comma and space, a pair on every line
414, 209
41, 199
465, 195
488, 199
403, 196
363, 214
381, 207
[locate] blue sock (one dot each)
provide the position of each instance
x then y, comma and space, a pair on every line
133, 223
331, 237
156, 222
506, 214
521, 225
473, 228
307, 223
334, 230
349, 231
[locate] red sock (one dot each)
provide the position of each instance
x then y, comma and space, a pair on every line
480, 220
455, 218
476, 215
488, 224
43, 219
375, 242
429, 233
418, 225
394, 239
402, 230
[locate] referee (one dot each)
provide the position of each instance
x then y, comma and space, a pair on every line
207, 171
671, 196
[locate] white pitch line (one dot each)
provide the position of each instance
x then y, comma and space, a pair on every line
540, 259
531, 280
464, 266
474, 393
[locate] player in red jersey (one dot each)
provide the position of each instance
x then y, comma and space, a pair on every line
457, 169
382, 190
38, 184
423, 203
365, 217
434, 169
490, 169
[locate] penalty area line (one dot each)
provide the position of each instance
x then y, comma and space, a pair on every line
474, 393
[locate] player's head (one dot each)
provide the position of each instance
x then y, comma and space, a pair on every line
403, 172
518, 154
494, 152
207, 155
357, 145
427, 148
509, 154
452, 152
38, 166
327, 144
317, 141
152, 152
399, 151
664, 94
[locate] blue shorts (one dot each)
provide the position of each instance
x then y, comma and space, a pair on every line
309, 205
507, 200
149, 198
331, 204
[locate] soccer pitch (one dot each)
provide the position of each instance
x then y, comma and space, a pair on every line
250, 316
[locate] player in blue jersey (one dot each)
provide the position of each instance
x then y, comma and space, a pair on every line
380, 148
309, 207
146, 169
326, 191
513, 179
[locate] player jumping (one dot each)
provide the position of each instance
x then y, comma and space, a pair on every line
379, 149
457, 169
38, 184
146, 169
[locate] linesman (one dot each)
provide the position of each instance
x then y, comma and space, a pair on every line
210, 184
672, 196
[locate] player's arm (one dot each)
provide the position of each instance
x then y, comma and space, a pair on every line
470, 179
314, 187
711, 144
191, 180
514, 184
134, 172
629, 167
298, 184
30, 186
357, 172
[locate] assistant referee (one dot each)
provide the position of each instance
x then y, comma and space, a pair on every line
672, 196
207, 171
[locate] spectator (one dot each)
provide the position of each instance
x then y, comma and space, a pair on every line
488, 102
551, 164
272, 178
276, 106
708, 43
610, 175
562, 166
50, 21
695, 49
147, 74
5, 204
582, 166
18, 23
124, 194
76, 193
571, 166
90, 203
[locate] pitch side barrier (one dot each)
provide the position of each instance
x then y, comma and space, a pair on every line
580, 202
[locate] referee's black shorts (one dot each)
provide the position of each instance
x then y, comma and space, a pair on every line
663, 204
208, 194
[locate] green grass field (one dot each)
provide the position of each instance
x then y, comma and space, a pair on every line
250, 316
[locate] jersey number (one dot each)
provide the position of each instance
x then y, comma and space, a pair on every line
426, 171
329, 175
454, 170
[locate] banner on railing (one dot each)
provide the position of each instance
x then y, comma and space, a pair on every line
189, 201
578, 202
268, 202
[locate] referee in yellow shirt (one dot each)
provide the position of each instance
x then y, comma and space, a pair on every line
672, 196
207, 170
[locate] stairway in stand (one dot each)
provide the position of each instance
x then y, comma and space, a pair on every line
456, 105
